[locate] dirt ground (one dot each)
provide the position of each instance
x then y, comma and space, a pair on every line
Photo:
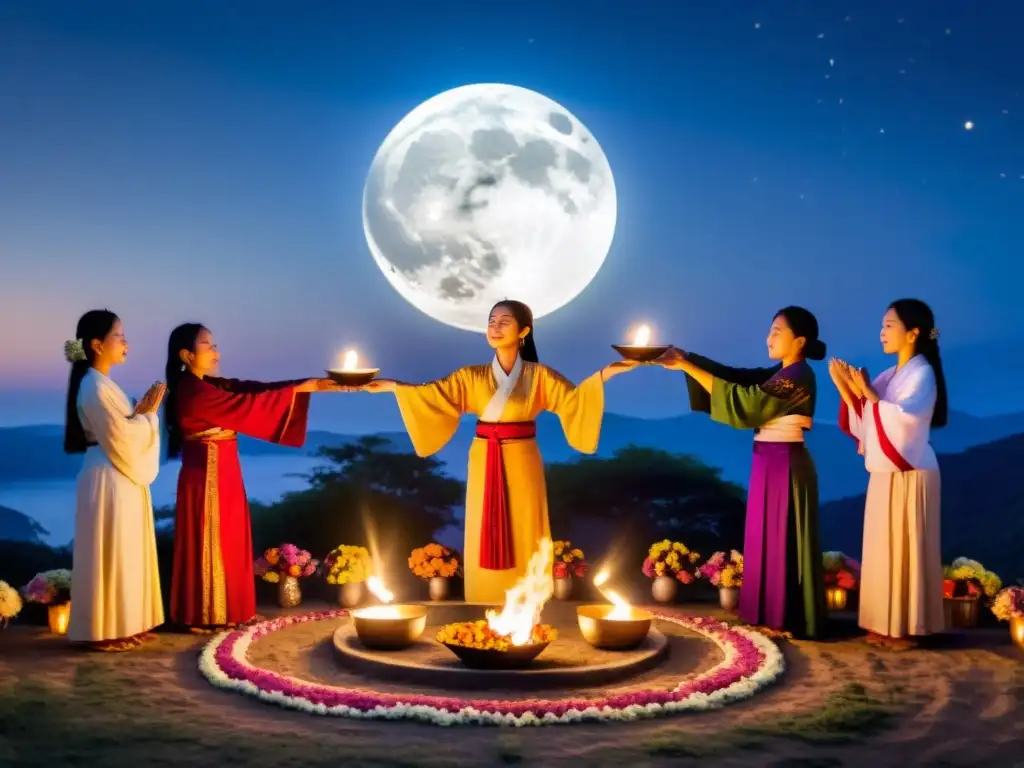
840, 703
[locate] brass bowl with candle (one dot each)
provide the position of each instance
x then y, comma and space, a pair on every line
390, 627
644, 354
356, 377
611, 633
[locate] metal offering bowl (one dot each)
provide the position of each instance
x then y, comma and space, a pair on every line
390, 627
640, 354
515, 657
354, 378
613, 634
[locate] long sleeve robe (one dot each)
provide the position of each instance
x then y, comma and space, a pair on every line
115, 584
431, 414
783, 583
901, 569
213, 582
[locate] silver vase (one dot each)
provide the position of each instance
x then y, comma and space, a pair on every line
563, 588
351, 594
664, 589
289, 594
729, 597
438, 587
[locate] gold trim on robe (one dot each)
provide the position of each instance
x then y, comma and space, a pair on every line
215, 598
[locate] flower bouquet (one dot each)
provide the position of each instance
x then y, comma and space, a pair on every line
568, 562
348, 567
49, 587
1008, 605
964, 583
480, 647
52, 589
841, 575
284, 566
725, 572
670, 563
435, 564
10, 603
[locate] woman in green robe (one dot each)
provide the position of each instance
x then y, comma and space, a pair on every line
783, 588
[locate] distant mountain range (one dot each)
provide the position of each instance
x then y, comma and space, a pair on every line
982, 509
17, 526
35, 452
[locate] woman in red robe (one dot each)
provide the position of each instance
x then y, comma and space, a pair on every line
213, 583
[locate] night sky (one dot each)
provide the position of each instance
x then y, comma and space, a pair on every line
184, 160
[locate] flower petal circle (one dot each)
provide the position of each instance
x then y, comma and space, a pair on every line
752, 661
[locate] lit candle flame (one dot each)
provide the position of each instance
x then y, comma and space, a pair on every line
642, 337
378, 590
385, 595
622, 610
351, 360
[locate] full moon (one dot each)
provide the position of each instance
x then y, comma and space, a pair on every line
487, 192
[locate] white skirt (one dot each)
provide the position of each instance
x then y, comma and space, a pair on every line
901, 572
115, 579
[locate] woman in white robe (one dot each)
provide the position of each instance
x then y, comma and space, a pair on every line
891, 418
115, 584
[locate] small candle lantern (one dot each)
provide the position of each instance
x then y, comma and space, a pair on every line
835, 598
641, 350
59, 615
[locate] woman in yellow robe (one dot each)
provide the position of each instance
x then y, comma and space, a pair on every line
505, 520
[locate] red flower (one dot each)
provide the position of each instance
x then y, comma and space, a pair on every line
845, 580
561, 570
685, 577
581, 569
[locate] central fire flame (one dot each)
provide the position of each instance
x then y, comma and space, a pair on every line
622, 610
642, 337
385, 595
523, 603
351, 360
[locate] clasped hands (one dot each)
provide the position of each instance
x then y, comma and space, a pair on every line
856, 380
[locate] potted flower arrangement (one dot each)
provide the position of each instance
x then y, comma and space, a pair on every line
1009, 606
725, 571
669, 563
842, 575
52, 589
284, 566
349, 567
568, 562
964, 582
10, 603
435, 564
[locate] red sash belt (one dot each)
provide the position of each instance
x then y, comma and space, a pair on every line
496, 552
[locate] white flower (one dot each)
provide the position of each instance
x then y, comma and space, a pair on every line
74, 351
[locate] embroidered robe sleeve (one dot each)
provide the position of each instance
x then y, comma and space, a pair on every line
700, 398
276, 415
431, 411
580, 409
132, 443
752, 406
902, 421
851, 420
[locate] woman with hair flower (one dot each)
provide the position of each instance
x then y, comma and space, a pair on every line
115, 593
891, 419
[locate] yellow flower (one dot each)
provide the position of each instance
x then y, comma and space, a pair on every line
271, 576
578, 554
